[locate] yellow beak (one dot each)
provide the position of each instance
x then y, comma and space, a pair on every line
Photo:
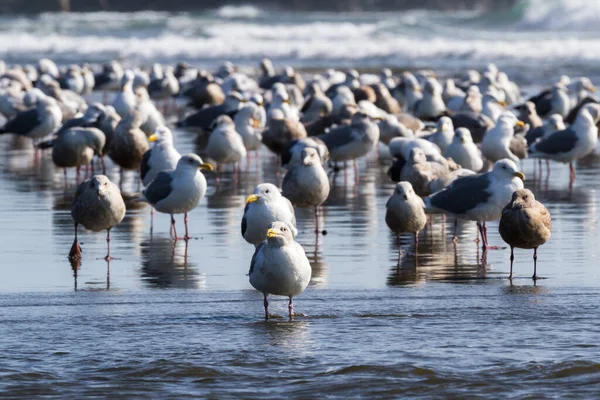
206, 166
592, 89
462, 139
153, 138
519, 175
251, 199
287, 101
520, 123
502, 103
271, 233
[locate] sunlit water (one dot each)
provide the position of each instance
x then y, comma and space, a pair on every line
170, 319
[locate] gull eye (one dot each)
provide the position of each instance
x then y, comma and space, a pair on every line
283, 229
105, 183
267, 191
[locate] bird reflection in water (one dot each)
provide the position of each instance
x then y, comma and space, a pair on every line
165, 265
75, 263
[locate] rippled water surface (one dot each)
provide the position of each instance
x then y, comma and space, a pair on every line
175, 320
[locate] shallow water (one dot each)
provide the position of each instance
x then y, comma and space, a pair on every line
170, 320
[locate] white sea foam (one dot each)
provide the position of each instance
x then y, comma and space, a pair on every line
553, 15
246, 11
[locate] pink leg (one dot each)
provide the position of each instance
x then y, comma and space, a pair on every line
185, 221
75, 248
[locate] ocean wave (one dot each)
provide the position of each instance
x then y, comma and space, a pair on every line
244, 11
360, 51
559, 15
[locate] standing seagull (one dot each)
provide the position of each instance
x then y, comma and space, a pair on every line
571, 144
353, 141
178, 191
479, 198
265, 206
464, 152
496, 142
525, 224
97, 206
37, 122
405, 212
307, 184
279, 266
225, 145
162, 157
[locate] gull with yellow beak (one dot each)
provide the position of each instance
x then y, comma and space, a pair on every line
265, 206
279, 266
479, 198
178, 191
161, 157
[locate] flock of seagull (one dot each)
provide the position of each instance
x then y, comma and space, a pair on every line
456, 145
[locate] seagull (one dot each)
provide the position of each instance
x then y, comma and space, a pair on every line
161, 157
37, 122
443, 134
76, 147
129, 143
125, 102
553, 124
264, 206
97, 206
525, 224
431, 106
464, 152
178, 191
571, 144
279, 266
352, 141
479, 198
225, 145
248, 125
405, 212
497, 141
306, 184
281, 132
293, 154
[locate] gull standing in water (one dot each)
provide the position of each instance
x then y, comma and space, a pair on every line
97, 206
279, 266
225, 145
571, 144
178, 191
405, 212
307, 184
525, 224
479, 198
265, 206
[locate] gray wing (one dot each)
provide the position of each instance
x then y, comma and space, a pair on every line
338, 137
203, 118
145, 165
290, 178
291, 207
533, 134
463, 194
256, 251
559, 142
22, 123
160, 188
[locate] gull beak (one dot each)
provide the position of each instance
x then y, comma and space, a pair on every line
260, 103
206, 166
519, 175
153, 138
592, 89
251, 199
287, 101
520, 123
502, 103
271, 233
462, 139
